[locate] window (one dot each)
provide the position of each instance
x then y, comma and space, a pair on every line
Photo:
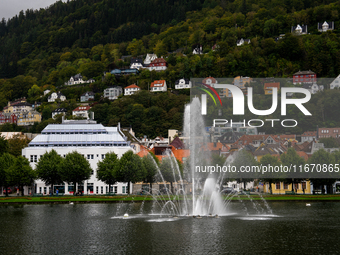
304, 186
35, 158
285, 185
97, 190
278, 185
116, 189
32, 160
103, 156
123, 189
101, 189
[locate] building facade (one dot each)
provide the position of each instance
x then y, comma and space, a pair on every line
130, 90
113, 93
91, 140
304, 77
158, 86
87, 96
183, 84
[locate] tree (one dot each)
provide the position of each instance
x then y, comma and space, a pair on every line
6, 161
75, 169
169, 171
329, 142
21, 174
130, 169
16, 144
243, 158
150, 163
3, 145
48, 168
321, 157
106, 169
291, 158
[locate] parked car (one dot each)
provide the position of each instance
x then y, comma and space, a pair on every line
9, 191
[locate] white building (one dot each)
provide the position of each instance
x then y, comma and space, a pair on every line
158, 86
183, 84
130, 90
81, 111
242, 41
313, 88
149, 58
57, 111
78, 79
300, 30
113, 93
336, 83
136, 63
324, 27
55, 96
87, 138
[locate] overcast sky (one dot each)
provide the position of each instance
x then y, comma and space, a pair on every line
9, 8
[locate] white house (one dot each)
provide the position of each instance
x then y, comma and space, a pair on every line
46, 91
324, 27
336, 83
136, 63
81, 111
62, 111
158, 86
197, 49
300, 30
183, 84
242, 41
55, 96
149, 58
113, 93
86, 137
78, 79
313, 88
87, 96
211, 81
159, 64
130, 90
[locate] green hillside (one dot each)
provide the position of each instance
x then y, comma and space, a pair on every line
47, 46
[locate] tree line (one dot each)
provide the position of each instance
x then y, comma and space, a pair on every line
74, 169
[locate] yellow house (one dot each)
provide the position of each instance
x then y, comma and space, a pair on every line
268, 87
303, 187
28, 118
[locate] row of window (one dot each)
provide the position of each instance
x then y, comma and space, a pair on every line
286, 185
79, 145
99, 189
74, 133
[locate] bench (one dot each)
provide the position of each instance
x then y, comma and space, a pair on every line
110, 194
246, 192
290, 193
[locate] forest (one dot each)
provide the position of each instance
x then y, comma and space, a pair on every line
42, 49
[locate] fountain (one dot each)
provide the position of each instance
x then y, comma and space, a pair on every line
205, 198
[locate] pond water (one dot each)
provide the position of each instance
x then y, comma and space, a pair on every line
101, 229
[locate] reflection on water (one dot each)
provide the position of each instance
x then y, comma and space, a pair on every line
96, 228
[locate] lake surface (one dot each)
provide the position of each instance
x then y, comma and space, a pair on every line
293, 228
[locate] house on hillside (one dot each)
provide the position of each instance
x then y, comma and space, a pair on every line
158, 86
81, 111
304, 77
113, 93
336, 83
87, 96
159, 64
324, 27
197, 49
183, 84
308, 136
130, 90
268, 87
57, 111
54, 96
149, 58
313, 88
242, 42
136, 63
299, 30
8, 118
28, 118
78, 79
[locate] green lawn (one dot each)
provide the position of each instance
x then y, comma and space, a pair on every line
138, 198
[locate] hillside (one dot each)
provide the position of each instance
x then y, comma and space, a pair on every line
47, 47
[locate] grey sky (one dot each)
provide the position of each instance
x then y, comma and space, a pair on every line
9, 8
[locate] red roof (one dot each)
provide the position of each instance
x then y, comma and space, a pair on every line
309, 133
132, 86
82, 108
272, 85
158, 61
213, 80
162, 82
